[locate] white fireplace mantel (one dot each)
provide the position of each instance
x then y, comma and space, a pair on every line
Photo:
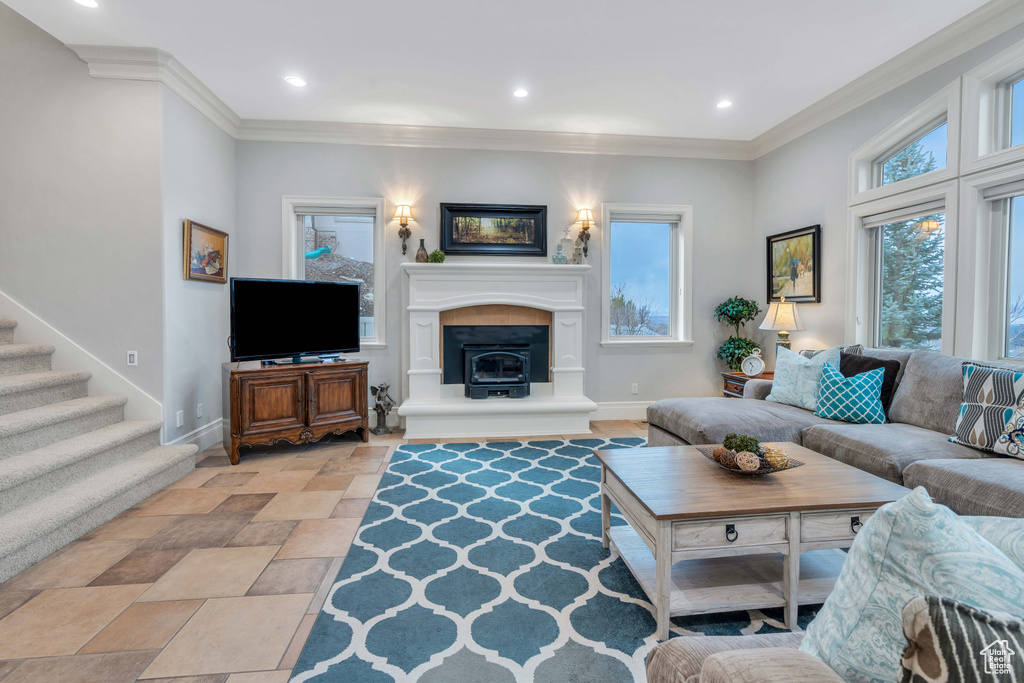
429, 288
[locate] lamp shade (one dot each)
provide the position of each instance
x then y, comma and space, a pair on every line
403, 212
584, 216
782, 316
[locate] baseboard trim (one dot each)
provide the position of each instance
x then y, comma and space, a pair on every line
206, 436
621, 410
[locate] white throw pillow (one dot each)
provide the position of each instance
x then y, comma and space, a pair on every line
797, 378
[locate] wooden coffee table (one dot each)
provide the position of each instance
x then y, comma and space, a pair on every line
701, 539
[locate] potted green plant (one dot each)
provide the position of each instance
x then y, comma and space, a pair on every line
736, 311
436, 256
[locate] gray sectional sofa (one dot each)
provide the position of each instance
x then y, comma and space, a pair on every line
911, 449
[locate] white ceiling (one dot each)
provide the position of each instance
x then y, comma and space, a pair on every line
654, 67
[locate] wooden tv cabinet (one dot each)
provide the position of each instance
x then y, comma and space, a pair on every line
294, 403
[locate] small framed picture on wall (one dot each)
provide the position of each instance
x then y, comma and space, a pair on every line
206, 253
794, 265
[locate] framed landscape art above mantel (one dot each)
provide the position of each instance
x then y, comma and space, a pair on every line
494, 229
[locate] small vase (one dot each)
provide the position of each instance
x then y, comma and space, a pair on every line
421, 253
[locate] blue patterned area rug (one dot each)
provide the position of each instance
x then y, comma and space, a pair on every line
483, 562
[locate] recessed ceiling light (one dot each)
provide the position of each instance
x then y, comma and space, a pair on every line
297, 81
521, 92
724, 104
88, 3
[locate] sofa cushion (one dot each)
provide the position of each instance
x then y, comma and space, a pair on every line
883, 450
931, 391
908, 548
708, 420
854, 399
987, 486
676, 660
797, 378
771, 664
989, 397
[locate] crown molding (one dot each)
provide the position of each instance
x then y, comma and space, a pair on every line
481, 138
976, 28
151, 64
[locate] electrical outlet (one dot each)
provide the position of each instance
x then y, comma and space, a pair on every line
133, 358
636, 388
181, 418
199, 411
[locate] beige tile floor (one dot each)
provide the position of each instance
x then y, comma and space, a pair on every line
215, 579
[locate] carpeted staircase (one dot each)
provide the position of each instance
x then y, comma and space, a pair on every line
68, 461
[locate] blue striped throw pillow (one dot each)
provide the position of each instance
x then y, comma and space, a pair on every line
851, 399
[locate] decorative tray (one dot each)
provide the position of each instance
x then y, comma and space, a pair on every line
707, 451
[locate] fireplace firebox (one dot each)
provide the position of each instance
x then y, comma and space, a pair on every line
497, 370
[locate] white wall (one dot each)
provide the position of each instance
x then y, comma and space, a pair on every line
805, 182
198, 184
720, 191
80, 216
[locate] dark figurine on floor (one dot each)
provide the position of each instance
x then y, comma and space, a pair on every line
382, 407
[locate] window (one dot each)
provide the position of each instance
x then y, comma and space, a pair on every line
641, 274
645, 274
1013, 333
926, 153
339, 239
340, 249
1016, 114
910, 282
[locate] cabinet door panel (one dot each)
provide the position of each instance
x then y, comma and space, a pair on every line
270, 403
334, 397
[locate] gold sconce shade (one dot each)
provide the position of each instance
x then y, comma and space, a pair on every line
403, 214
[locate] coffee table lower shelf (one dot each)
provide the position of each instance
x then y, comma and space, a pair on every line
724, 584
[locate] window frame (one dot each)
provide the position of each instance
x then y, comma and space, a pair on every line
985, 263
292, 250
864, 248
864, 165
680, 276
986, 115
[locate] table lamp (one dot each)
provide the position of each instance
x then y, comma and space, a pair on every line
783, 318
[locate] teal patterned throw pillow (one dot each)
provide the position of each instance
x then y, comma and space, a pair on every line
909, 548
797, 378
851, 399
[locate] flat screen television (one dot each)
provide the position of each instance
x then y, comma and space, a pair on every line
273, 319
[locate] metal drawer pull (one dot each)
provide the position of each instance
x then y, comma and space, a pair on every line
855, 524
730, 533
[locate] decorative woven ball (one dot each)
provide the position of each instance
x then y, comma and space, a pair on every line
777, 457
746, 460
717, 453
728, 459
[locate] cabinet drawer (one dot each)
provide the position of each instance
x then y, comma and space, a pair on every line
832, 526
721, 533
734, 387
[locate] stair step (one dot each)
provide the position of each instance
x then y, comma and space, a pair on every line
7, 330
30, 476
16, 359
32, 532
27, 430
34, 389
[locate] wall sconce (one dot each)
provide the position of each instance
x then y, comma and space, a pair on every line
584, 217
403, 214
